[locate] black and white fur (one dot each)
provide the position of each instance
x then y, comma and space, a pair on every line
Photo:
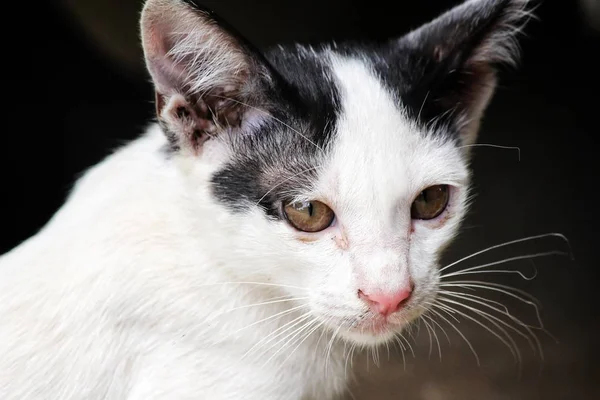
171, 272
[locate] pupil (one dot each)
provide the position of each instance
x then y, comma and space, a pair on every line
310, 209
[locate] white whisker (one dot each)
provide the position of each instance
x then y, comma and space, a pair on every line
507, 290
322, 333
349, 358
317, 326
472, 296
430, 339
527, 327
256, 305
434, 324
507, 339
495, 146
289, 338
276, 333
506, 244
328, 353
279, 314
504, 261
409, 345
253, 283
457, 331
401, 345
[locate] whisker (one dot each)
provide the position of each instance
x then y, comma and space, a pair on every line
509, 315
279, 314
432, 334
472, 296
504, 289
276, 333
495, 146
322, 333
397, 340
459, 332
317, 326
409, 329
352, 355
418, 323
472, 284
299, 336
559, 235
507, 291
430, 339
376, 356
423, 105
254, 283
450, 314
504, 261
349, 358
291, 336
510, 344
256, 305
328, 353
434, 324
409, 345
387, 347
495, 271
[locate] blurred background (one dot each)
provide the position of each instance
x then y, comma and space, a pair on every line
76, 88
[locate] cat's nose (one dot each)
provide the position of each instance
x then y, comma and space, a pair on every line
387, 303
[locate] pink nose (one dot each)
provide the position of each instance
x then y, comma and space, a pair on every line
387, 303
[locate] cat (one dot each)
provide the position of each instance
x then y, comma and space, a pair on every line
284, 206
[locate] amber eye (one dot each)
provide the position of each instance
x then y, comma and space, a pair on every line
430, 203
309, 216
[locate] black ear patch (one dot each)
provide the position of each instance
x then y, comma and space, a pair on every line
446, 70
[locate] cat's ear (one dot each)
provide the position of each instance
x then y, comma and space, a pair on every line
207, 78
452, 61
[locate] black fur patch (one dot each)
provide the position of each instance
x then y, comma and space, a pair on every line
281, 157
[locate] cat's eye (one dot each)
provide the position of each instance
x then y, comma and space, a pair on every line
309, 216
430, 203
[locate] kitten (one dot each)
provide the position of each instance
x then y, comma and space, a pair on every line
286, 205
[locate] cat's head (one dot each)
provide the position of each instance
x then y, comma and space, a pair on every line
344, 168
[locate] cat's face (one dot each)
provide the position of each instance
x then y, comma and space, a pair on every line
344, 169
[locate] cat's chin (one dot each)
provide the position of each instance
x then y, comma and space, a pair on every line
372, 334
369, 338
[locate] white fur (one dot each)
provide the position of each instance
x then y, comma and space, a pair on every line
121, 295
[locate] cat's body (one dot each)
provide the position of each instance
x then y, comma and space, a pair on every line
171, 273
75, 289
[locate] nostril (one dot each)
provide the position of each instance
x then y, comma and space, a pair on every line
387, 303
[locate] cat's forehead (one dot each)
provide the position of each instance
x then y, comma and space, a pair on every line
376, 145
346, 136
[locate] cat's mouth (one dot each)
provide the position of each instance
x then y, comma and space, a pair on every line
375, 329
372, 329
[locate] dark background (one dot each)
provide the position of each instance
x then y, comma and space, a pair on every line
75, 88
